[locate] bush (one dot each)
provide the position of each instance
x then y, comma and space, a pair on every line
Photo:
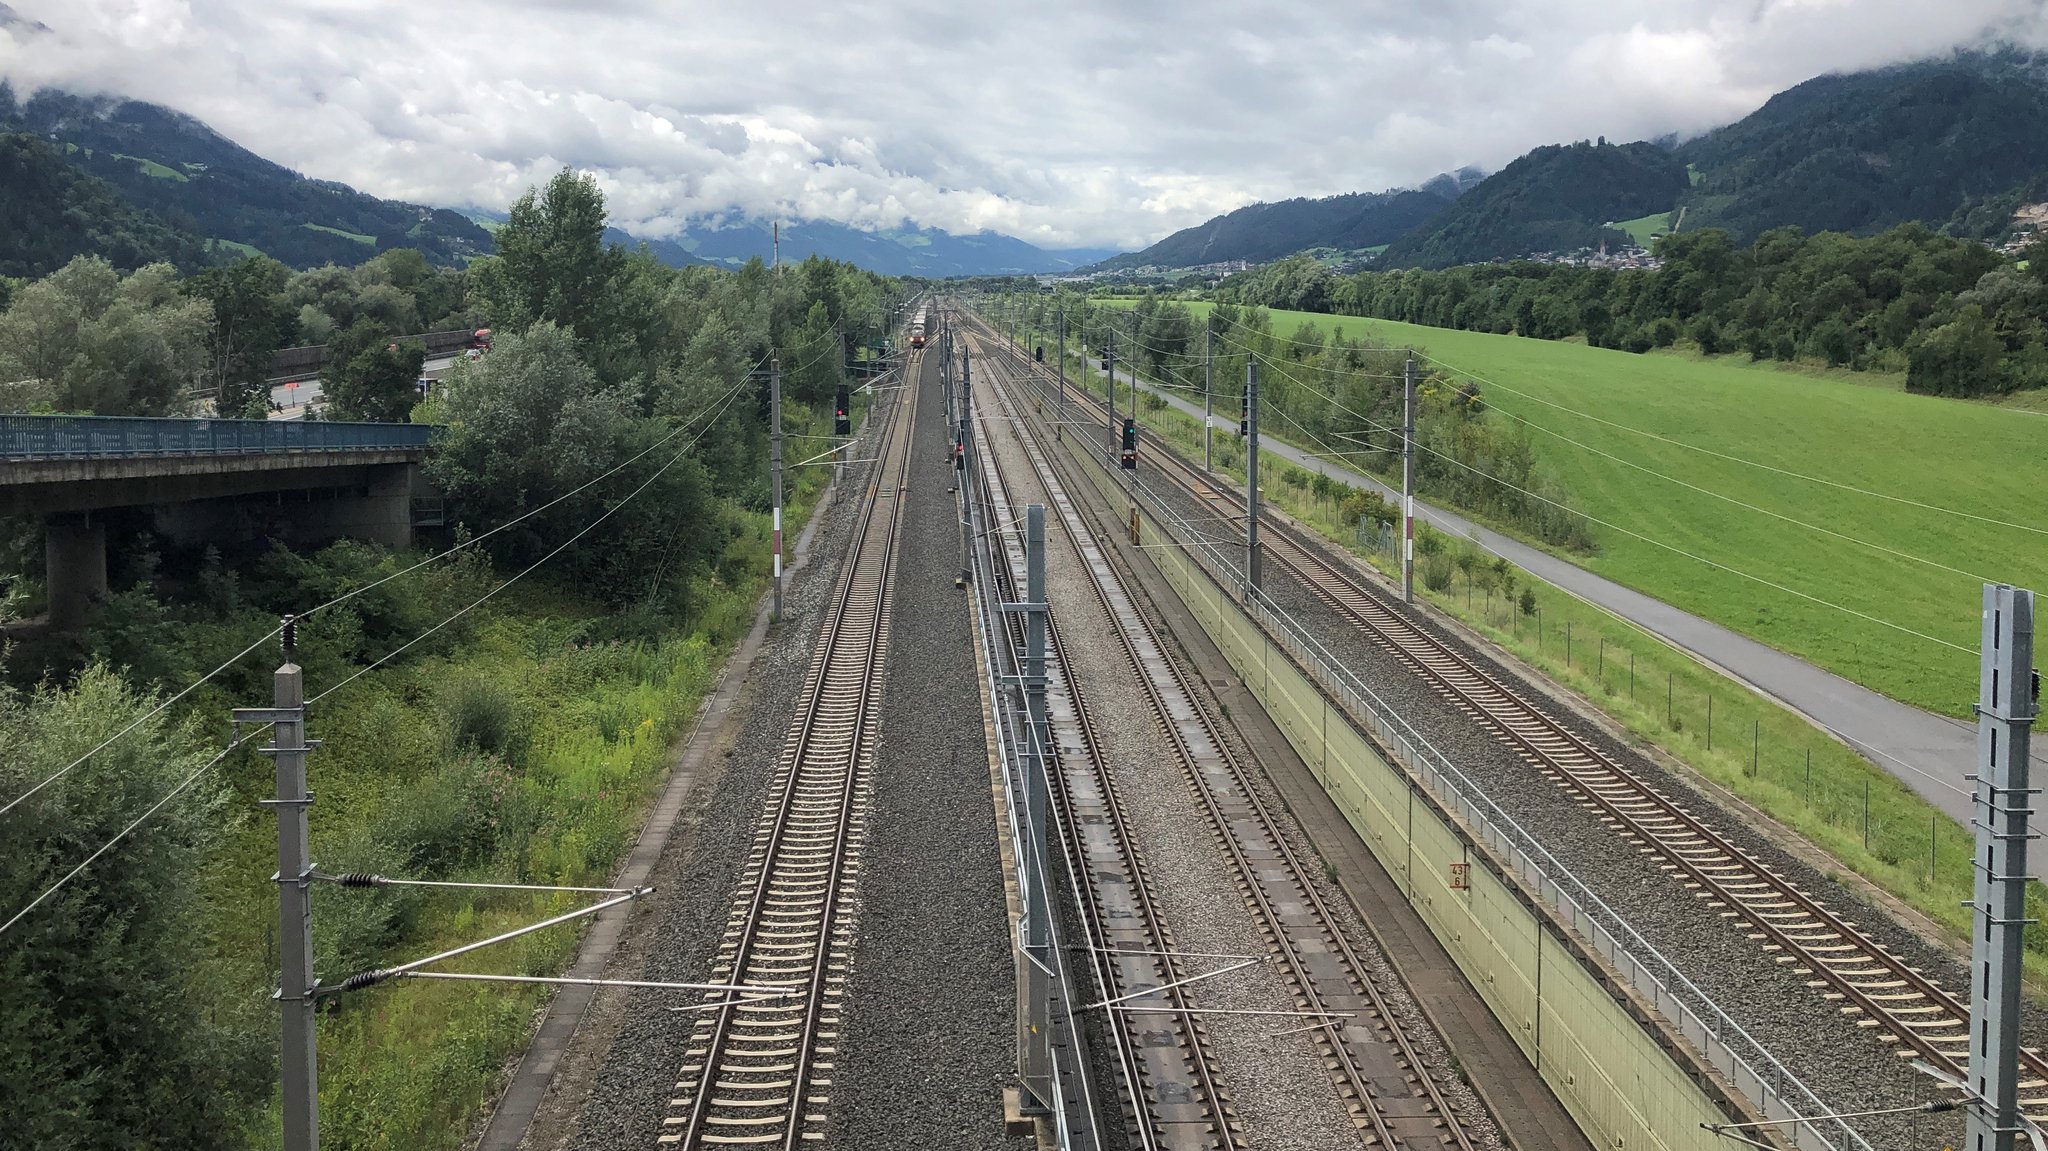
1528, 601
1437, 571
482, 715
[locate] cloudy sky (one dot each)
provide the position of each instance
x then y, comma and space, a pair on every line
1064, 123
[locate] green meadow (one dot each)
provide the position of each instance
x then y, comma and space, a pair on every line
1826, 513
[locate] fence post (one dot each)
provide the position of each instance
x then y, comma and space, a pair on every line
1710, 721
1809, 777
1866, 815
1756, 745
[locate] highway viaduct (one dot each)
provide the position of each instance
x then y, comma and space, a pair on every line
201, 479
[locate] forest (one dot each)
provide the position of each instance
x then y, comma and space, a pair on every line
1954, 316
475, 725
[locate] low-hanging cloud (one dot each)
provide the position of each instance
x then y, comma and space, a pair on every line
1063, 123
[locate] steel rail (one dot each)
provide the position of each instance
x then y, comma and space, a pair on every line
1342, 1048
1161, 958
1898, 1002
789, 916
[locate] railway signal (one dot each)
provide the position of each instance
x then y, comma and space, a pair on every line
1130, 454
1038, 354
842, 425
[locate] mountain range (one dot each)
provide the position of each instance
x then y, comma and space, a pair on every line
139, 183
1956, 143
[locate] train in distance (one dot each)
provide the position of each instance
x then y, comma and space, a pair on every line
917, 327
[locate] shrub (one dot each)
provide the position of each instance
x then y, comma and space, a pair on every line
482, 715
1437, 570
1528, 601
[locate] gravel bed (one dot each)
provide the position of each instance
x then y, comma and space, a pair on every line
686, 918
1808, 1034
929, 1040
1283, 1096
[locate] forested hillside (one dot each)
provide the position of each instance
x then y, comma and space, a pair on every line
51, 211
1554, 198
200, 182
1260, 232
1928, 142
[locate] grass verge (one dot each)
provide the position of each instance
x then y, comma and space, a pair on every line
1767, 755
1665, 506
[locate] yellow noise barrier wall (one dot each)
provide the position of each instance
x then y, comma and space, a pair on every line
1627, 1085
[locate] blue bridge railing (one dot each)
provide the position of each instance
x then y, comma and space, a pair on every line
78, 437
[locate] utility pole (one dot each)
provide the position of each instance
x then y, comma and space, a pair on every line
775, 471
1208, 386
1251, 474
295, 984
1408, 481
965, 465
1035, 1057
775, 248
1109, 356
2008, 699
1060, 420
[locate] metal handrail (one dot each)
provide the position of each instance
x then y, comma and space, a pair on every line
99, 437
1749, 1066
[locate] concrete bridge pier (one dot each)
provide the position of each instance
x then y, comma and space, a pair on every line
75, 564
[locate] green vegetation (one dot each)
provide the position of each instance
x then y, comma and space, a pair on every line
1643, 229
246, 251
53, 212
1842, 428
1954, 315
358, 237
1936, 142
169, 167
1549, 200
1261, 232
505, 713
152, 169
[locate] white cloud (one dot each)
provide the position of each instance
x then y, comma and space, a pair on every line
1061, 122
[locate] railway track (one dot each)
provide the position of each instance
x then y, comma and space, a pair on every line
1173, 1099
757, 1071
1897, 1003
1386, 1088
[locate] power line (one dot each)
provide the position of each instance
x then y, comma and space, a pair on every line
357, 591
1648, 539
1729, 457
203, 768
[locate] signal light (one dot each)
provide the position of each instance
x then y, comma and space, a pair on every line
1130, 453
841, 424
1038, 354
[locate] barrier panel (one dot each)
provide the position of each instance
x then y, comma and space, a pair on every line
80, 437
1539, 968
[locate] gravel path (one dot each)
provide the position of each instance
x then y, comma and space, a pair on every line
1826, 1049
682, 925
1281, 1092
929, 1040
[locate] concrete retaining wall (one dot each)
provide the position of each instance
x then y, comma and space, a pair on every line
1636, 1063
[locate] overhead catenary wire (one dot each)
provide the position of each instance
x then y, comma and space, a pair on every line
1673, 548
1661, 438
1743, 504
459, 613
352, 593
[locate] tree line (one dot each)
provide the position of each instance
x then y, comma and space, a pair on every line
1336, 395
1956, 317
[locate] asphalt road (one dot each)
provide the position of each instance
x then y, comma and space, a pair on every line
290, 400
1929, 753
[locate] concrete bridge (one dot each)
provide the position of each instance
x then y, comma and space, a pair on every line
202, 479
